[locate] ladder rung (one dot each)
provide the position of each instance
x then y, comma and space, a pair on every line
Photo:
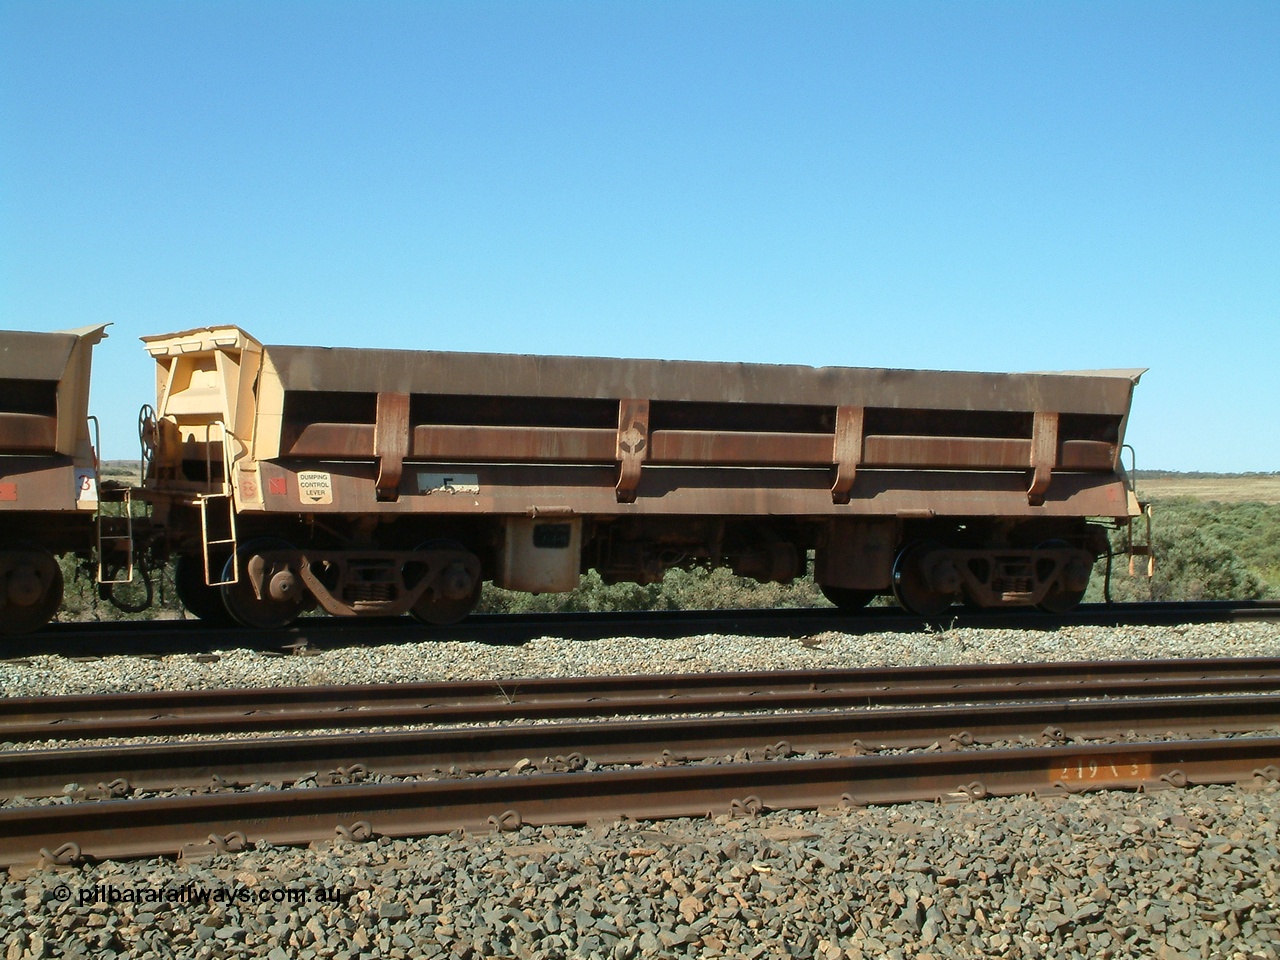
209, 545
115, 513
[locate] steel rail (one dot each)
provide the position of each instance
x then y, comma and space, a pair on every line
118, 770
70, 639
314, 708
149, 827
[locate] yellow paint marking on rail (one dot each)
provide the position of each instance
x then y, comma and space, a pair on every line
1101, 770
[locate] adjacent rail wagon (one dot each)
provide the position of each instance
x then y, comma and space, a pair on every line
48, 472
380, 482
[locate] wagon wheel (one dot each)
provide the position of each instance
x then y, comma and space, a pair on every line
282, 593
847, 599
197, 596
911, 583
1060, 600
442, 611
30, 590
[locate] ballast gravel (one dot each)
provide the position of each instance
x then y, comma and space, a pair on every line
1190, 873
552, 657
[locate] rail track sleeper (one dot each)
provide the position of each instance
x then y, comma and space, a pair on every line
125, 828
222, 765
21, 727
437, 693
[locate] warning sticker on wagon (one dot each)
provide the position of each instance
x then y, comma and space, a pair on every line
315, 486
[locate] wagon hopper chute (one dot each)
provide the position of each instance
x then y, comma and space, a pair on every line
386, 481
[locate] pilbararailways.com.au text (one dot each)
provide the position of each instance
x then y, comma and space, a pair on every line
198, 894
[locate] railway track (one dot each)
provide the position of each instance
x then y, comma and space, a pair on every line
227, 822
653, 764
171, 713
168, 636
345, 758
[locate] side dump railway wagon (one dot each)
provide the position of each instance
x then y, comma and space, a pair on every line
384, 481
48, 473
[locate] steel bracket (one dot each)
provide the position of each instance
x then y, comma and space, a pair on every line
846, 451
633, 446
358, 832
748, 807
1044, 455
507, 821
64, 856
391, 443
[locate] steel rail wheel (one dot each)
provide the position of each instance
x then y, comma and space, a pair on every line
30, 589
1059, 602
846, 598
456, 597
202, 600
269, 593
911, 583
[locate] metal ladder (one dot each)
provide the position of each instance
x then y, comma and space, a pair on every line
111, 541
218, 506
1145, 548
107, 524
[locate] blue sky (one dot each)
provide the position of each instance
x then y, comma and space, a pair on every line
987, 186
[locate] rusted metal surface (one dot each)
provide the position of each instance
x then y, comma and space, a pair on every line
632, 447
122, 828
848, 451
492, 443
494, 408
46, 458
856, 554
48, 469
244, 762
28, 432
997, 576
480, 444
345, 582
505, 489
181, 712
391, 442
1044, 454
37, 485
37, 356
371, 439
476, 374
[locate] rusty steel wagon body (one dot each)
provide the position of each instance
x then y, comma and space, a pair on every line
49, 490
379, 482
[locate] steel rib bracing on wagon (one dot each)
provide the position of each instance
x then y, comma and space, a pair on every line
379, 482
369, 482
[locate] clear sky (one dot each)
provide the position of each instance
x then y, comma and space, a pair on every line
967, 185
